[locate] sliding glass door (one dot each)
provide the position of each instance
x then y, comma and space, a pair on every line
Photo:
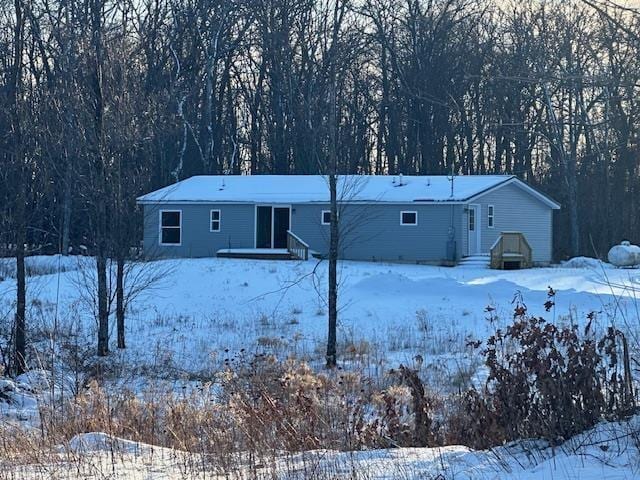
272, 224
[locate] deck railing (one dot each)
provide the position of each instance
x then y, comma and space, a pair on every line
296, 246
510, 248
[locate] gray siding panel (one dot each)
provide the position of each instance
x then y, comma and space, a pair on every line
368, 232
236, 229
517, 210
373, 232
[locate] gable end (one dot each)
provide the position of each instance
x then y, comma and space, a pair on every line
527, 188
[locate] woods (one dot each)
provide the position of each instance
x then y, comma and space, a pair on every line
104, 100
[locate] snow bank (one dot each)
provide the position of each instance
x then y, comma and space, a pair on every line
584, 262
17, 401
42, 383
624, 255
606, 451
21, 398
94, 442
39, 265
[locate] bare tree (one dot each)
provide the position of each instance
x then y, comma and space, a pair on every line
100, 182
14, 104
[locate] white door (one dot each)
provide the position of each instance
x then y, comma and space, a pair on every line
473, 229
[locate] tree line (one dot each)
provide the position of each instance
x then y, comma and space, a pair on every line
103, 100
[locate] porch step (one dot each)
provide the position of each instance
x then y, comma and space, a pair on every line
475, 261
256, 253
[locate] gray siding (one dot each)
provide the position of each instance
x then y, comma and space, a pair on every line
368, 232
373, 232
517, 210
236, 229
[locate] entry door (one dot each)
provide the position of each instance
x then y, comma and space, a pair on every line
280, 226
473, 229
263, 227
272, 224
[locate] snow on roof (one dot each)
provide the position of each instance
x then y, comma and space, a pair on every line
315, 188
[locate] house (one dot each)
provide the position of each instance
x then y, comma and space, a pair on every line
426, 219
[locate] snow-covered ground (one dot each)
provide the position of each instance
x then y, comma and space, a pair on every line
609, 451
202, 311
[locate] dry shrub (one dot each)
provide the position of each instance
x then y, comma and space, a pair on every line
357, 350
288, 406
257, 405
21, 446
545, 382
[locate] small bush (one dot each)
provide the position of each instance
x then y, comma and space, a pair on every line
545, 382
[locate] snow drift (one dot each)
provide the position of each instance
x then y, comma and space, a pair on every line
606, 451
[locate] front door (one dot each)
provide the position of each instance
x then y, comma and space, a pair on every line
280, 226
473, 229
272, 224
263, 227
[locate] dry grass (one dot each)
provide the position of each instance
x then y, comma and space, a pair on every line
249, 415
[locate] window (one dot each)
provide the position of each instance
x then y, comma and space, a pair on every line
214, 224
170, 227
326, 217
490, 216
472, 219
408, 218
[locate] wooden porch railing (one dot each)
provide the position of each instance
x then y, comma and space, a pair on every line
511, 249
296, 246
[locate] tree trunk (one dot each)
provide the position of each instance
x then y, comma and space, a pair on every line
333, 274
333, 189
21, 197
101, 181
120, 301
66, 209
103, 309
20, 339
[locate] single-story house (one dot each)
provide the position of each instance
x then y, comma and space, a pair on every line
426, 219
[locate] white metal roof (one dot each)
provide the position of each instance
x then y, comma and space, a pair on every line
315, 188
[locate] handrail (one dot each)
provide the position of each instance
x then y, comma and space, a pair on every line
298, 239
296, 246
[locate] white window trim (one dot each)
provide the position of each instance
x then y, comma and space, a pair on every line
179, 244
211, 220
491, 216
408, 224
322, 217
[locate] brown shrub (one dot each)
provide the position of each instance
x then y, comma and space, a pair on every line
544, 382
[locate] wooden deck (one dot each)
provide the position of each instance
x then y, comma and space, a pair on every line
256, 253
